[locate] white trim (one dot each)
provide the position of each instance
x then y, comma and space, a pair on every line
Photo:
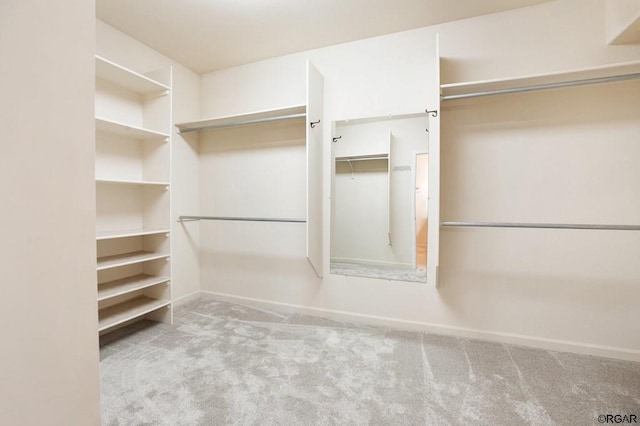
186, 298
614, 352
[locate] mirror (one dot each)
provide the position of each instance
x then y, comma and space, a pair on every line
379, 197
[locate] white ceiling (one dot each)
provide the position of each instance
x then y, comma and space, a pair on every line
205, 35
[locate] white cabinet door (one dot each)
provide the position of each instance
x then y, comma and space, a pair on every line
433, 239
315, 95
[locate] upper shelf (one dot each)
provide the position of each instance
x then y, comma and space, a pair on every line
127, 78
364, 157
534, 82
297, 111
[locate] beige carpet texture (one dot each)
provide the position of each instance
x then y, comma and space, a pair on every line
228, 364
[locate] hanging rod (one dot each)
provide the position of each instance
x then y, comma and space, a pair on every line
535, 87
241, 219
243, 123
543, 226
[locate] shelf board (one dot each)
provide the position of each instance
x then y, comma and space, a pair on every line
124, 77
380, 156
128, 131
109, 262
126, 311
124, 233
611, 70
127, 285
297, 111
132, 182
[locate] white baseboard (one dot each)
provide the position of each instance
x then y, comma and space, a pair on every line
620, 353
186, 298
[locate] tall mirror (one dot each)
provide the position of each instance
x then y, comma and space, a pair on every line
379, 197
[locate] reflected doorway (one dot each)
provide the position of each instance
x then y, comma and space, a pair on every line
421, 210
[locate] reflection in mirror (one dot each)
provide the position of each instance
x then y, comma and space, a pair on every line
380, 197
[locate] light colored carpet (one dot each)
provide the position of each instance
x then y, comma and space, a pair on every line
226, 364
378, 271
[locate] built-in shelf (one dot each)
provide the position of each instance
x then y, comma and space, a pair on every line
128, 131
132, 182
128, 285
365, 157
109, 262
127, 311
293, 112
124, 233
586, 75
131, 80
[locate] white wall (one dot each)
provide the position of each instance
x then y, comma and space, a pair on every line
124, 50
49, 358
562, 290
623, 21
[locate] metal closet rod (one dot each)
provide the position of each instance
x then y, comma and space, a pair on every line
532, 88
242, 219
244, 123
543, 226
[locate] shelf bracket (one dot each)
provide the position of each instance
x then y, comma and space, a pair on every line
433, 113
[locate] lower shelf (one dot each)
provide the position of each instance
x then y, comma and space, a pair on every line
127, 285
127, 311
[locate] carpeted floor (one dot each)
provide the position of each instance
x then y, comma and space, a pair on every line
226, 364
378, 271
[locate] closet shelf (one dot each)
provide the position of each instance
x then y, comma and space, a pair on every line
128, 131
132, 182
364, 157
131, 80
128, 285
297, 111
124, 233
607, 71
129, 310
109, 262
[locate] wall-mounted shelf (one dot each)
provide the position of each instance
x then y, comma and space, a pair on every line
591, 75
125, 233
293, 112
125, 130
368, 157
128, 285
129, 310
132, 182
116, 261
124, 77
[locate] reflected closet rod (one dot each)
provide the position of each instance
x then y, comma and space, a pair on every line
241, 219
532, 88
543, 226
243, 123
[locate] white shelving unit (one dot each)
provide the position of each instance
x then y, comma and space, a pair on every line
133, 135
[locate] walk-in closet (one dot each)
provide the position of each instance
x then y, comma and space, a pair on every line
392, 212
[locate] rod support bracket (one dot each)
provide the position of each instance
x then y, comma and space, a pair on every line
434, 113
